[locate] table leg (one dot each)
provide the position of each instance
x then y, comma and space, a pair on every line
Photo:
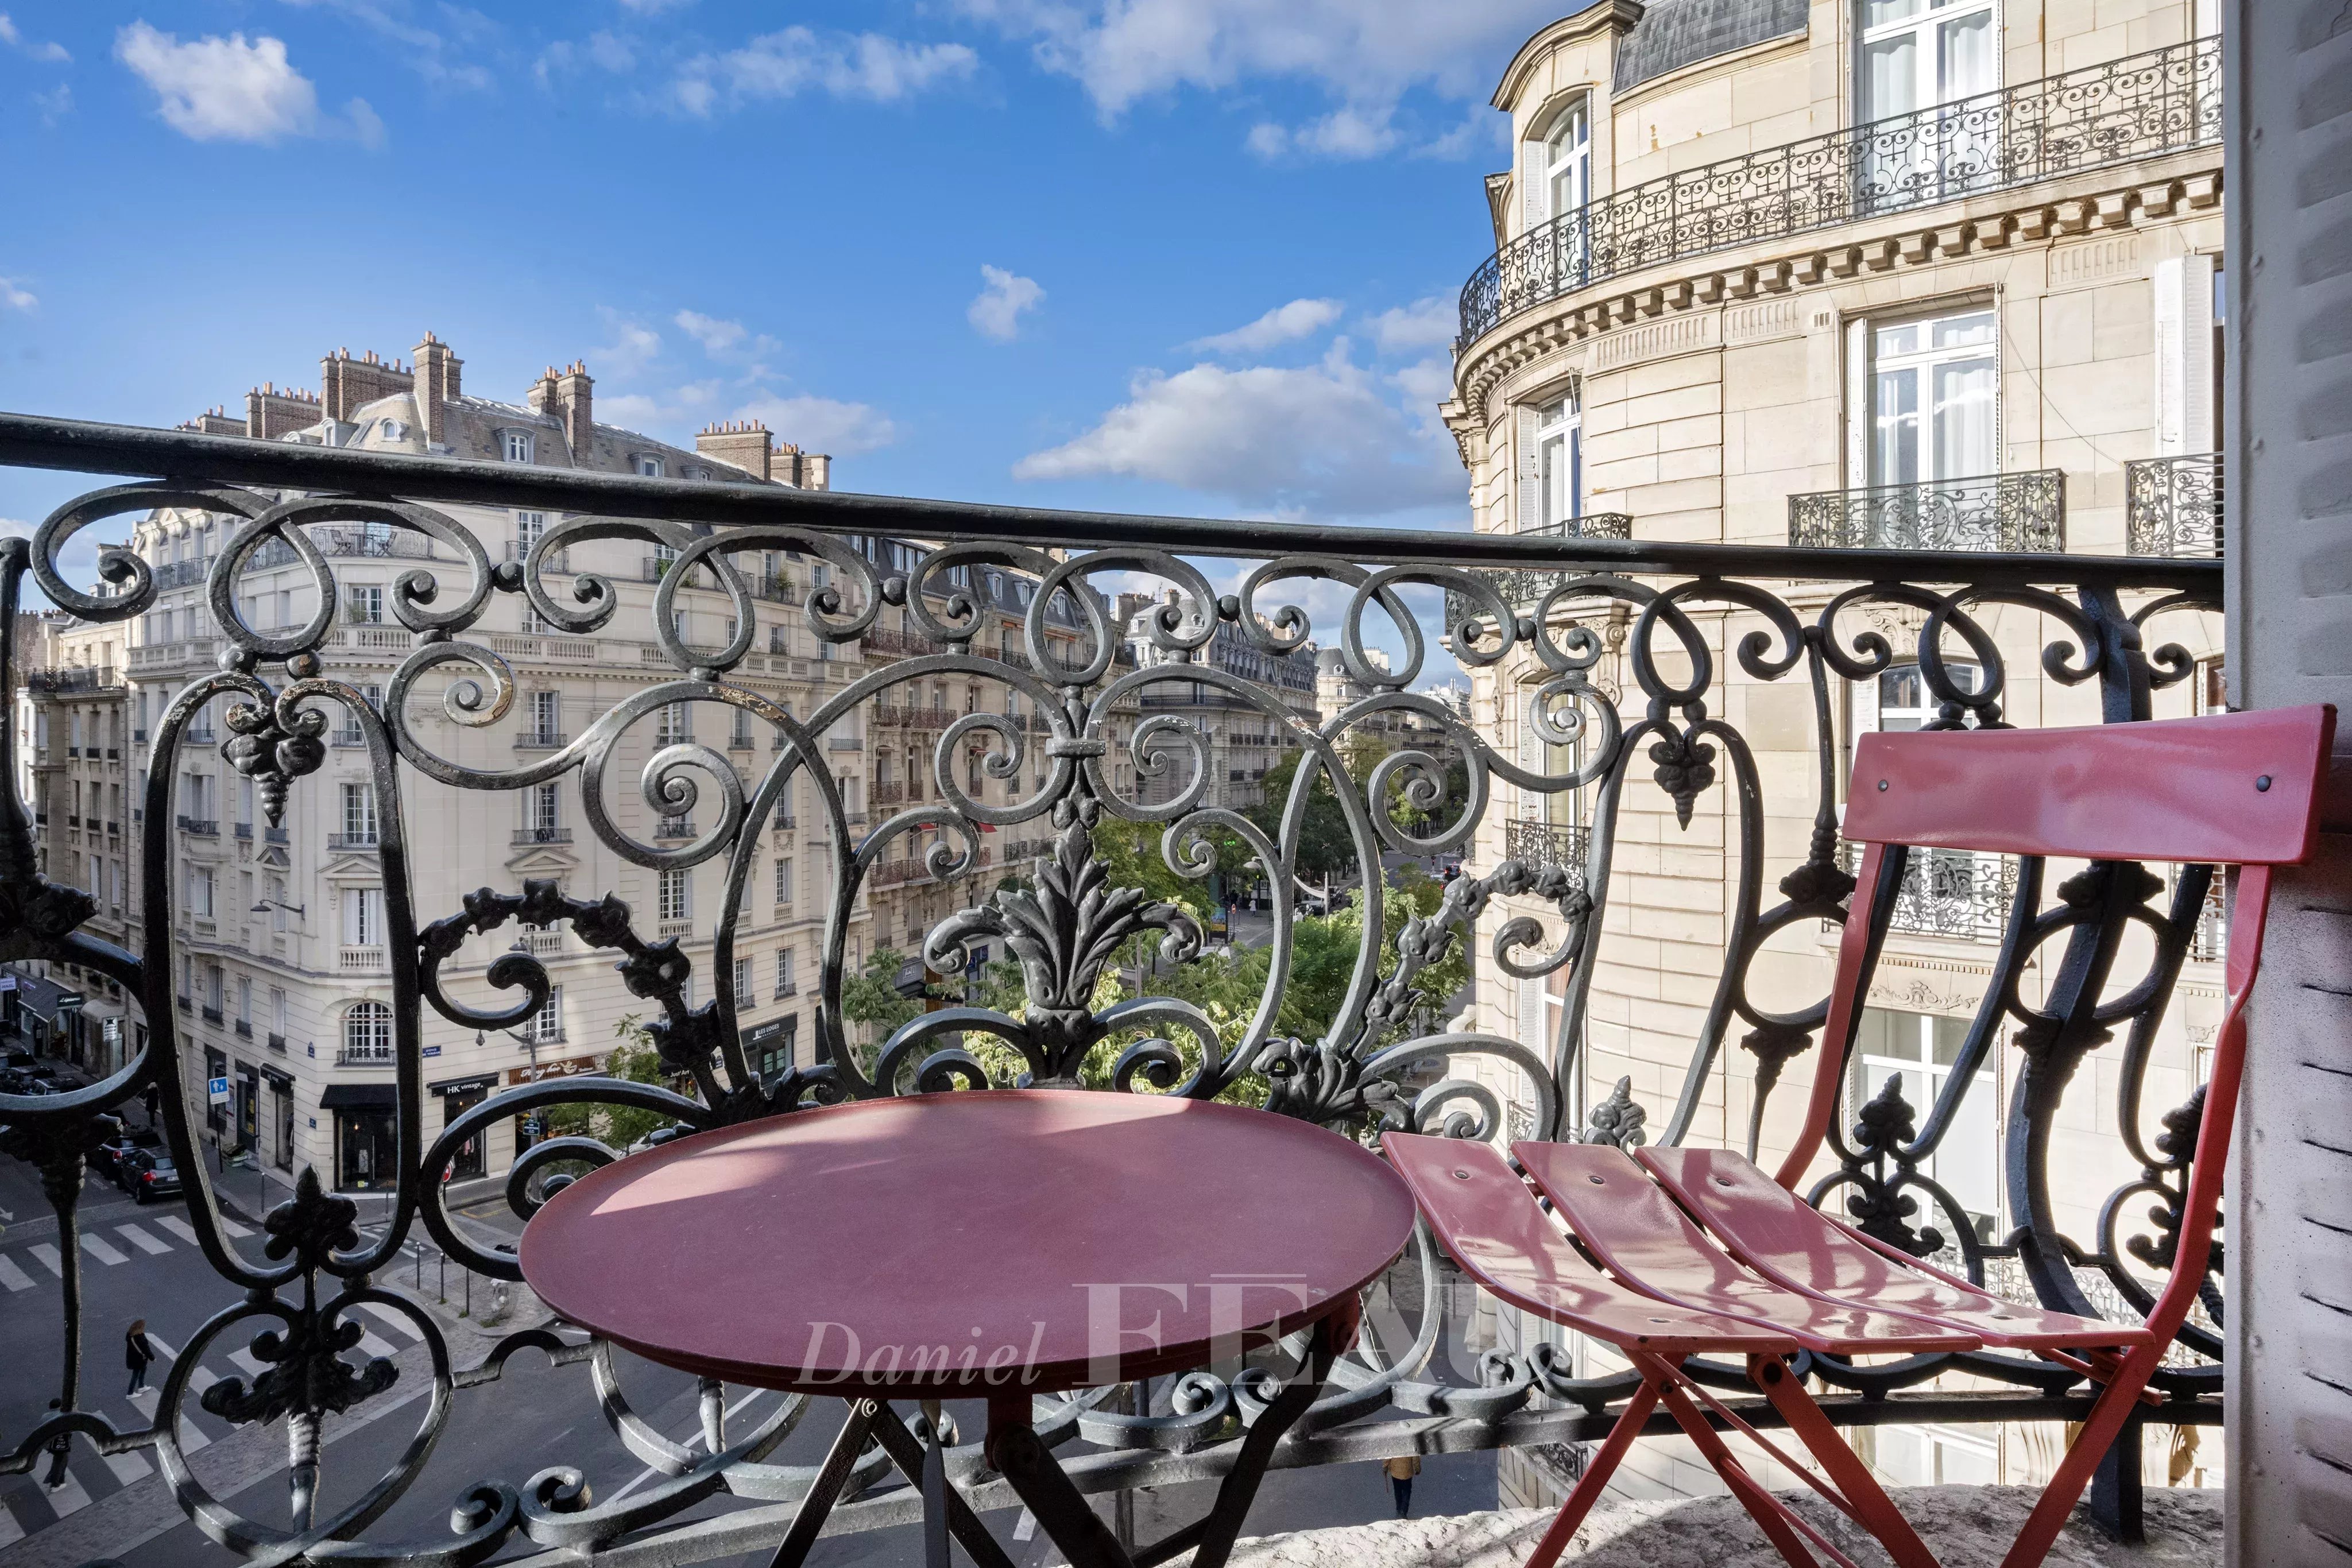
915, 1461
839, 1460
1020, 1455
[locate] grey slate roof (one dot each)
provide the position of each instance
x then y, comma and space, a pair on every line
1673, 33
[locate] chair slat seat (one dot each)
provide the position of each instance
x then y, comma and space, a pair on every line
1784, 1239
1492, 1226
1623, 1218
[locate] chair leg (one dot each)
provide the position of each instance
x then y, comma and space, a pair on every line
2115, 1406
1864, 1495
1595, 1479
1771, 1516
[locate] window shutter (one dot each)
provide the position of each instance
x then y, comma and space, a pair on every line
1526, 506
1535, 192
1531, 1017
2184, 354
1857, 403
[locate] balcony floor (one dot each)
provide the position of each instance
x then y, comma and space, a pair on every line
1966, 1527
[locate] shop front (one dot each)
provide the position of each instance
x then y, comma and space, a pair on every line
458, 1096
281, 1090
531, 1127
367, 1143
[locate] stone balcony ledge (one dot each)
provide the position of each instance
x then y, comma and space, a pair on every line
1966, 1527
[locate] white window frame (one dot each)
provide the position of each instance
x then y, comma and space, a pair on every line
649, 466
1568, 160
785, 880
1560, 461
1930, 462
1926, 24
1866, 1074
360, 825
367, 1032
518, 446
676, 894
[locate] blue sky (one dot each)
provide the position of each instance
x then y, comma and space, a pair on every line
1195, 256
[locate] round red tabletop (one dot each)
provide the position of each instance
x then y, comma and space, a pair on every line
1056, 1239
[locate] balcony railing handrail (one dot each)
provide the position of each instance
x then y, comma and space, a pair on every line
2172, 505
40, 441
2163, 100
1981, 512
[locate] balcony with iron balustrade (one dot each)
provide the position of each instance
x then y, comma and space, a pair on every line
1434, 1375
1992, 512
2173, 506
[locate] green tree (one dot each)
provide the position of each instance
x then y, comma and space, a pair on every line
1323, 846
873, 999
634, 1060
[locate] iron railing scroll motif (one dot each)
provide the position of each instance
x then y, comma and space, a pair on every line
1649, 611
2119, 111
1990, 512
2173, 505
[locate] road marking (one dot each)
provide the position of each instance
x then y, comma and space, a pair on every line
104, 1251
67, 1499
375, 1345
11, 1532
15, 1278
233, 1227
179, 1228
164, 1351
128, 1468
248, 1363
1026, 1526
392, 1317
47, 1253
143, 1239
143, 1401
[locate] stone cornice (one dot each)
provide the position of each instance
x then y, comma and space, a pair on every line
1828, 258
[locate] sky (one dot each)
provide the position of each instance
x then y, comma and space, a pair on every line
1184, 255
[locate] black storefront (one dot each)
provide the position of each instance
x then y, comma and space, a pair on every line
458, 1096
367, 1145
281, 1088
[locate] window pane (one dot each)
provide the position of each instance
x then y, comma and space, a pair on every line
1964, 57
1964, 421
1875, 12
1891, 76
1897, 454
1950, 1034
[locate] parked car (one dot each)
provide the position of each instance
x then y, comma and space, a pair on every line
148, 1174
107, 1158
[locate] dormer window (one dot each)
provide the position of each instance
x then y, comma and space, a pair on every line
1568, 160
517, 445
392, 430
649, 466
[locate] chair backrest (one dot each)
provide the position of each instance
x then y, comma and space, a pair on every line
2238, 789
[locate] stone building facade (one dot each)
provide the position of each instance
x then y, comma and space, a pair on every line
2027, 352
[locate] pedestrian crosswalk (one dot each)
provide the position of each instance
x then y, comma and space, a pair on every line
27, 1503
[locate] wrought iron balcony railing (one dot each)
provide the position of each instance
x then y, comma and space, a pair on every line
1945, 894
1527, 586
2010, 512
77, 678
2120, 112
2173, 505
1694, 634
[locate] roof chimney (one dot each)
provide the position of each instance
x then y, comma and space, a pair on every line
574, 404
739, 444
436, 383
350, 384
541, 396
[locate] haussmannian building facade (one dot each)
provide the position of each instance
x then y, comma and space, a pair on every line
1718, 312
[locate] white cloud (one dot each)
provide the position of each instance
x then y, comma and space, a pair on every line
54, 104
224, 89
652, 7
1300, 319
1366, 53
15, 529
53, 53
605, 51
634, 345
714, 335
1320, 440
822, 424
1423, 324
995, 311
797, 59
16, 297
1348, 131
227, 89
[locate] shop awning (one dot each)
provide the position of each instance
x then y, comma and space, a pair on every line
359, 1097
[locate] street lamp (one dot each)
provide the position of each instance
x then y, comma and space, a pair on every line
300, 911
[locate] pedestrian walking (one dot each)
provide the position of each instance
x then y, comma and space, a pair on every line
1400, 1471
137, 1354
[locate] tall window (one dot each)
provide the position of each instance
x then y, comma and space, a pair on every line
1917, 54
543, 810
547, 1024
547, 718
363, 916
676, 725
784, 879
785, 982
200, 892
1559, 463
367, 1032
1568, 160
528, 529
518, 446
1933, 399
359, 815
363, 603
1922, 1049
677, 896
744, 997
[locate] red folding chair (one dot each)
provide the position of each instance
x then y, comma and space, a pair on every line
2236, 789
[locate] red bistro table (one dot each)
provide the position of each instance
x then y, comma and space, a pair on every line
993, 1244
